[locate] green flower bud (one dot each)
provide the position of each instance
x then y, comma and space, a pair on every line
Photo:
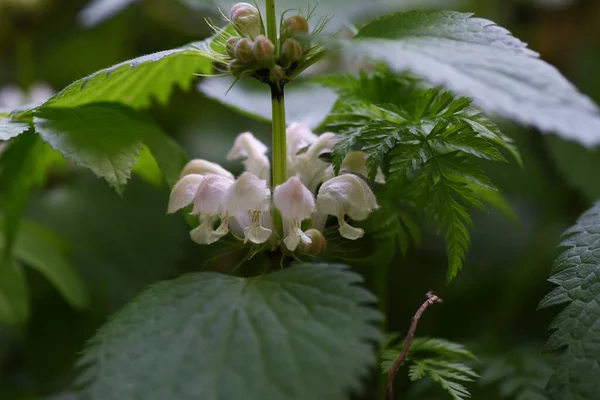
291, 51
317, 245
230, 45
277, 74
264, 50
294, 25
246, 19
243, 51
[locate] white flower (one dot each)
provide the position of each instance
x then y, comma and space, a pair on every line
346, 195
184, 191
309, 167
203, 167
298, 137
355, 163
209, 203
250, 195
296, 203
253, 152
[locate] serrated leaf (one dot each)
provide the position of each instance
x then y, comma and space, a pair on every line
305, 102
134, 82
105, 138
576, 272
147, 167
479, 59
211, 336
14, 293
41, 249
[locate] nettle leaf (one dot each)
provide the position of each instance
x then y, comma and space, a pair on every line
477, 58
427, 142
135, 82
438, 359
212, 336
306, 102
107, 139
577, 328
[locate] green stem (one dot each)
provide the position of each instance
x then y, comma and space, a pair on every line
271, 22
279, 155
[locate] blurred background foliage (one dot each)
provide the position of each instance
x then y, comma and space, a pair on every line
122, 244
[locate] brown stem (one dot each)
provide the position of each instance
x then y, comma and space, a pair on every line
389, 392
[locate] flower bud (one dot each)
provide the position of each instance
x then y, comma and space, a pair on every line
230, 45
246, 19
294, 24
264, 50
291, 51
236, 68
243, 51
277, 74
317, 244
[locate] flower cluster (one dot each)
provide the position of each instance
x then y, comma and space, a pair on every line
246, 206
252, 53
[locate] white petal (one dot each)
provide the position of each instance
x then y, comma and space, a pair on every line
257, 234
295, 236
203, 167
248, 193
298, 137
205, 234
346, 194
252, 151
348, 231
184, 191
294, 200
210, 196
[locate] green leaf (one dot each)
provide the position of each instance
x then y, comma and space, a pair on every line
11, 128
211, 336
441, 360
305, 102
169, 156
135, 82
577, 328
105, 138
476, 58
14, 293
147, 167
23, 165
40, 248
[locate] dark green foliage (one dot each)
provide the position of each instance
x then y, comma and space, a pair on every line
427, 142
438, 359
576, 272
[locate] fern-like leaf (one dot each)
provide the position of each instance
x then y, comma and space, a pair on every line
427, 141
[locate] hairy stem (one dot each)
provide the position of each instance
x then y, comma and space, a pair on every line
272, 22
389, 392
279, 156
